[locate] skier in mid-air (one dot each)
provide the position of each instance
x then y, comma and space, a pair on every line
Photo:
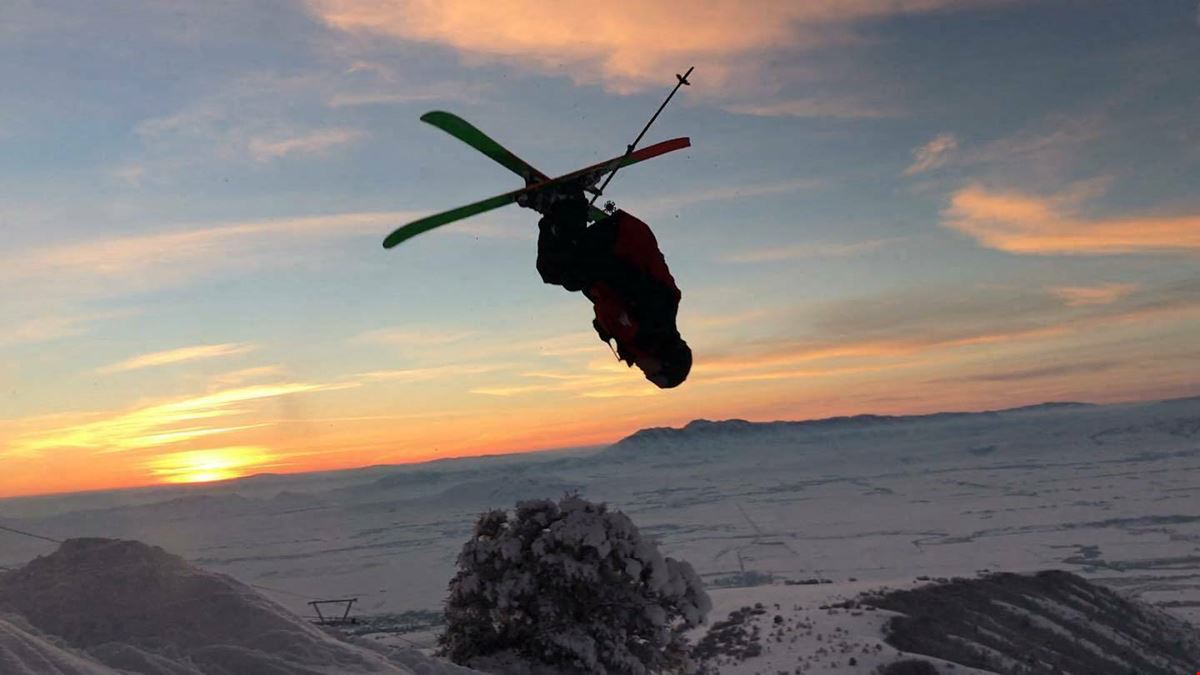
617, 264
615, 261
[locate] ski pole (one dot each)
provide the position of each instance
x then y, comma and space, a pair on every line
682, 80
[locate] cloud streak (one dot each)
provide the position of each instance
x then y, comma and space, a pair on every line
1025, 224
815, 107
399, 336
310, 143
174, 356
803, 251
404, 375
725, 193
151, 261
159, 424
55, 326
1044, 372
1105, 294
934, 325
933, 154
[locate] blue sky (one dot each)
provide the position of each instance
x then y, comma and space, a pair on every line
888, 207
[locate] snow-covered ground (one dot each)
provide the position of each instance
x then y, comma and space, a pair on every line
108, 606
1109, 492
810, 636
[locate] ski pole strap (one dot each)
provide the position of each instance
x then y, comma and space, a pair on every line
681, 80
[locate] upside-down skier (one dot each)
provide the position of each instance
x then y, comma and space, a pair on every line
615, 261
617, 264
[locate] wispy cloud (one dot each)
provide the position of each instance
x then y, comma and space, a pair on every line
403, 336
801, 251
1046, 152
390, 91
513, 390
55, 326
176, 254
151, 261
735, 318
784, 355
815, 107
130, 175
1021, 223
897, 329
724, 374
173, 356
725, 193
159, 424
430, 373
308, 143
257, 373
1078, 296
599, 378
483, 228
257, 118
1042, 372
933, 154
636, 389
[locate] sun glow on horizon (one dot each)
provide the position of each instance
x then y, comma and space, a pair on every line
206, 466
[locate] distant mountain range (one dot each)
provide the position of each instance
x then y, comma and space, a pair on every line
709, 429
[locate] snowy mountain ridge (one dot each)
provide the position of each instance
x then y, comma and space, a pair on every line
730, 427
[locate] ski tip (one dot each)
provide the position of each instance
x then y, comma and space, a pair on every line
435, 115
395, 238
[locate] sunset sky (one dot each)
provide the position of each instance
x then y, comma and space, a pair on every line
889, 207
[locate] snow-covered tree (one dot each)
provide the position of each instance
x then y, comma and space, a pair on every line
569, 587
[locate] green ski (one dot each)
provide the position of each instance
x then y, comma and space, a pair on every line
472, 136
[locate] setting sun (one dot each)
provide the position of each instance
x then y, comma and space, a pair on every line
204, 466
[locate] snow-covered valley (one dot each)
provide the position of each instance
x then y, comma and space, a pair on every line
1108, 492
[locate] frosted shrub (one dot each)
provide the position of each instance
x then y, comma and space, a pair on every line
569, 587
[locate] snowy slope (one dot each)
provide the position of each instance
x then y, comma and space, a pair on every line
1039, 624
135, 607
795, 629
23, 651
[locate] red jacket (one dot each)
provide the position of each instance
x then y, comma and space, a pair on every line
635, 296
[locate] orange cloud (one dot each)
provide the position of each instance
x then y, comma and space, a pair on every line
1020, 223
172, 356
625, 44
1078, 296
